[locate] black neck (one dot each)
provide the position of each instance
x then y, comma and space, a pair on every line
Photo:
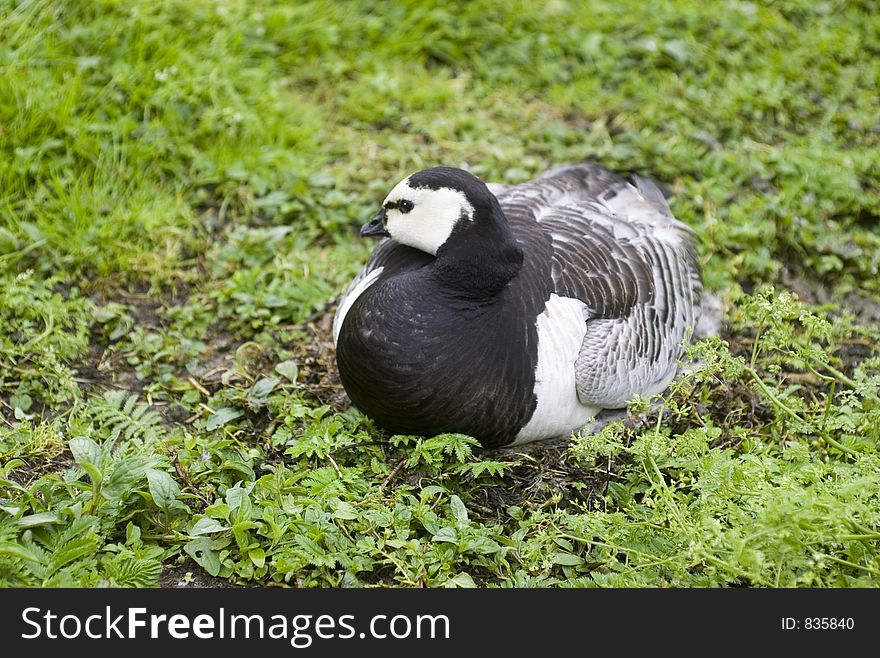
481, 256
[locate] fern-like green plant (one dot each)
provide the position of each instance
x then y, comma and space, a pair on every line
126, 570
124, 417
431, 451
51, 555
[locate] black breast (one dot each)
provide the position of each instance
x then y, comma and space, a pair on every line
420, 359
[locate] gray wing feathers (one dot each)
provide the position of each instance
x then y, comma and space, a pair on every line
637, 353
617, 247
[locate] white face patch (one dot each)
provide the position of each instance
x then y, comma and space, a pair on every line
433, 216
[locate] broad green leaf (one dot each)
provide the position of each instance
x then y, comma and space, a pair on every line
261, 390
95, 475
163, 488
132, 534
257, 556
562, 542
34, 520
206, 525
446, 534
222, 416
206, 557
125, 475
241, 532
566, 559
462, 579
85, 451
23, 401
289, 369
238, 499
20, 414
459, 511
345, 511
430, 491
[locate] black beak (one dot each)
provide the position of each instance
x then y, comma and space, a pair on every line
376, 225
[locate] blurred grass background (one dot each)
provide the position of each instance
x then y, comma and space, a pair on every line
124, 121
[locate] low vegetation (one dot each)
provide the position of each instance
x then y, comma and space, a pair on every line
180, 186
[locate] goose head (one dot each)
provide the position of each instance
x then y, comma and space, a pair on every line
433, 209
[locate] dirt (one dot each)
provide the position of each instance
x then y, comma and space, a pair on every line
864, 307
545, 474
190, 575
101, 371
33, 470
317, 364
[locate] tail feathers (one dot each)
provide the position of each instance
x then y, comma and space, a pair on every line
710, 316
652, 193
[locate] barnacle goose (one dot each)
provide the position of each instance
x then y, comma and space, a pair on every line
517, 315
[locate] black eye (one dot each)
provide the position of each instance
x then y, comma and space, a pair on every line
405, 205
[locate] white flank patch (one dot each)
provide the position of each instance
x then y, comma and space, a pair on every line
350, 298
561, 329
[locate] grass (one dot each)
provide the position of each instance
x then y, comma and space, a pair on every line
180, 184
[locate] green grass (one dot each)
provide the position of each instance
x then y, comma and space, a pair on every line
180, 184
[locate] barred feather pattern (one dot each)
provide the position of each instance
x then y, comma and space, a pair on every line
617, 248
